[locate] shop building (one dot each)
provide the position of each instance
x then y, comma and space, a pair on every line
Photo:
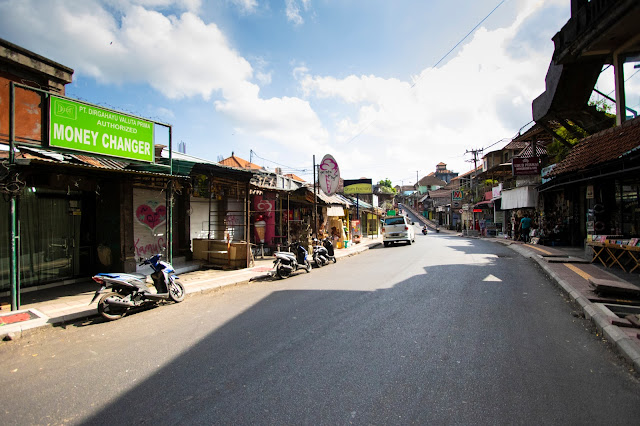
67, 213
218, 213
592, 192
595, 190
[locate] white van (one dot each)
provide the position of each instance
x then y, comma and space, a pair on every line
397, 228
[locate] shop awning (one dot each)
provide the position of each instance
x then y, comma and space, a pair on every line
335, 211
526, 196
484, 205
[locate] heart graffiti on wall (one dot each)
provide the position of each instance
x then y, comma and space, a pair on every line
151, 217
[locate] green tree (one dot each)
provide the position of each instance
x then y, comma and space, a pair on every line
557, 150
386, 186
385, 182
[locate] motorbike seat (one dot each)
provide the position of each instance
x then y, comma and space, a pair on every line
142, 277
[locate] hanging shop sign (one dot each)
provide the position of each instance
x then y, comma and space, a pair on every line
545, 172
329, 175
457, 195
90, 129
358, 186
525, 166
589, 192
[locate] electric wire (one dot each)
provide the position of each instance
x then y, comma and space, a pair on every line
415, 83
287, 168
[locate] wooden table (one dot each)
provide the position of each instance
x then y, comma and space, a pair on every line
615, 254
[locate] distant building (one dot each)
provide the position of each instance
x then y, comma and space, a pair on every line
443, 174
429, 183
240, 163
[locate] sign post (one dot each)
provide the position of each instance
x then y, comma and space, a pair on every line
328, 175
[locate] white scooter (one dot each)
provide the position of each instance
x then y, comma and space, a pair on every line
129, 291
286, 262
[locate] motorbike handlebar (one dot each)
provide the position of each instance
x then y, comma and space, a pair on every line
148, 260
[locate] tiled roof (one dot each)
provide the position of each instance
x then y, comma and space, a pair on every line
516, 145
431, 181
234, 161
440, 193
465, 174
601, 147
294, 177
528, 151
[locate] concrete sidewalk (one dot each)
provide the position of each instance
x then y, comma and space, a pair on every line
573, 272
65, 304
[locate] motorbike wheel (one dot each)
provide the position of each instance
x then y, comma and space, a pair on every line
307, 266
110, 312
319, 263
176, 291
334, 259
283, 272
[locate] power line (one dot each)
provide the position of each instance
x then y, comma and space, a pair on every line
436, 64
463, 39
288, 168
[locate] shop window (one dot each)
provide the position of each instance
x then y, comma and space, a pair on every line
629, 196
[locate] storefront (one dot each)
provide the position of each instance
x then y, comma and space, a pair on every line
218, 219
365, 220
484, 219
515, 204
72, 208
82, 219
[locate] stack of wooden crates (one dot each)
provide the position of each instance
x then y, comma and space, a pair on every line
220, 253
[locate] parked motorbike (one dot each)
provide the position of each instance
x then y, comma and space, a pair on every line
437, 228
129, 291
424, 230
326, 242
320, 254
287, 262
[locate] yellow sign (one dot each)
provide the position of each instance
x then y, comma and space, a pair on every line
358, 186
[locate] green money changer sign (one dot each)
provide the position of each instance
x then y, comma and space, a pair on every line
93, 130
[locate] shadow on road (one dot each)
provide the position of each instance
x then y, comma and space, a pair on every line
445, 346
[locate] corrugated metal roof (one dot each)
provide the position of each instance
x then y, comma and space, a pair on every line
74, 160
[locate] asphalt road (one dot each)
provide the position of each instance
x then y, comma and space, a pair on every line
444, 331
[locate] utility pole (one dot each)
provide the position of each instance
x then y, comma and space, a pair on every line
415, 203
315, 198
475, 153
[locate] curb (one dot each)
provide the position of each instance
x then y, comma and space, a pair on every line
19, 330
629, 349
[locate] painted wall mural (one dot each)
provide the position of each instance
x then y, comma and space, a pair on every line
265, 211
149, 226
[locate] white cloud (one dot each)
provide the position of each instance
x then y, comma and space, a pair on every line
182, 5
289, 121
264, 78
180, 56
293, 10
246, 6
480, 96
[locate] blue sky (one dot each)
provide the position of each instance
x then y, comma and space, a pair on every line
292, 78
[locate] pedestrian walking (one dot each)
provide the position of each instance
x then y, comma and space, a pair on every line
525, 228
